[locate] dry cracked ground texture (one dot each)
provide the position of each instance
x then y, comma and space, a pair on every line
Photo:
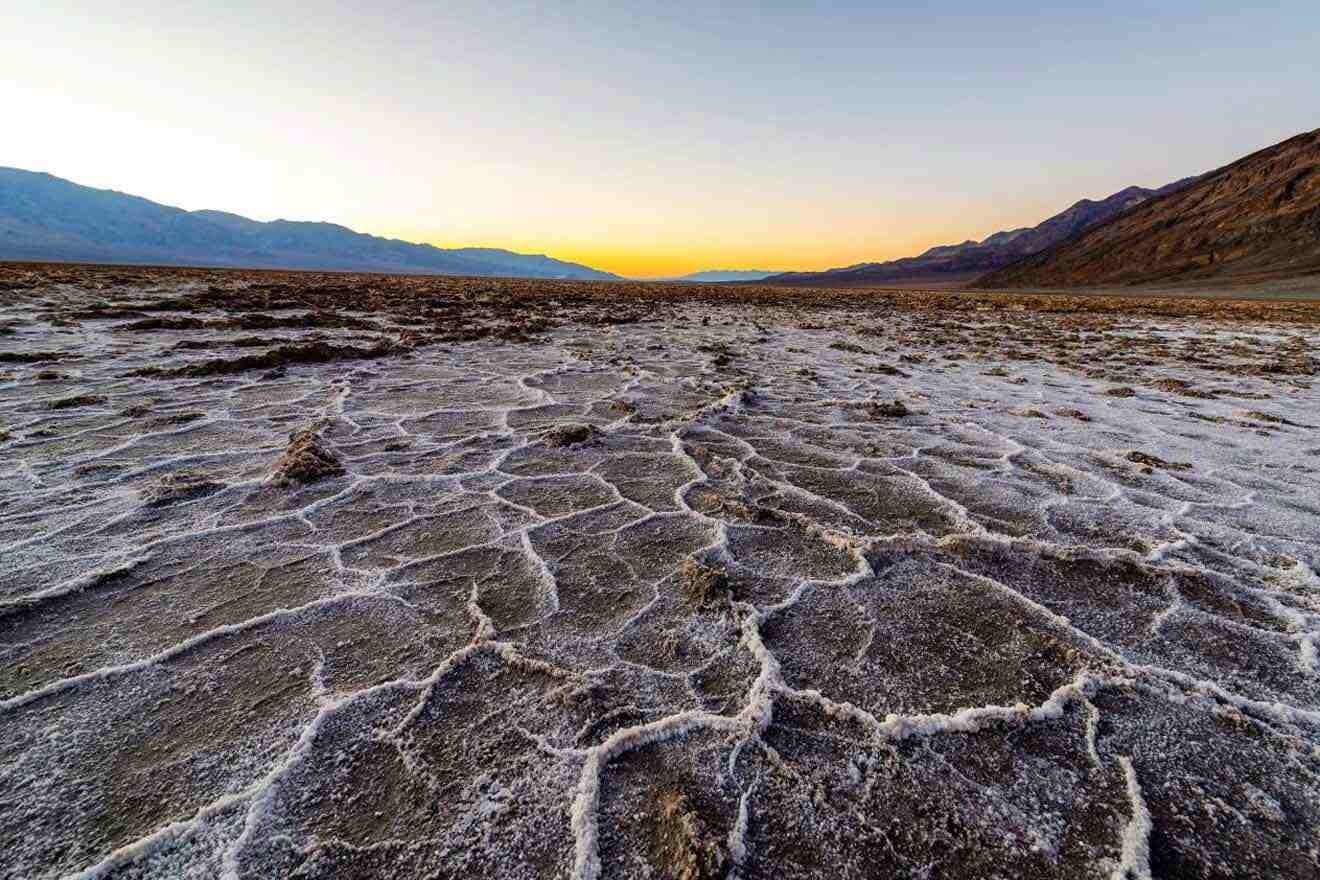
334, 576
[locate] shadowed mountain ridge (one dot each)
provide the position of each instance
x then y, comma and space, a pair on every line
47, 218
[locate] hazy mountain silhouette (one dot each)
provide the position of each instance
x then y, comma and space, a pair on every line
46, 218
956, 264
1257, 219
717, 275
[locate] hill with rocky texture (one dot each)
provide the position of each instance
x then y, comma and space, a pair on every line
1255, 220
957, 264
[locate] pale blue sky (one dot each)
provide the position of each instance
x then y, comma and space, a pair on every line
652, 140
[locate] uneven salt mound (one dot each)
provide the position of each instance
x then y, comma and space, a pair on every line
305, 460
703, 584
661, 599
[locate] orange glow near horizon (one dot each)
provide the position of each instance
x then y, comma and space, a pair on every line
669, 258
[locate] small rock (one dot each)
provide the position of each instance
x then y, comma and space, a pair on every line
305, 460
76, 401
569, 435
702, 584
1151, 461
895, 410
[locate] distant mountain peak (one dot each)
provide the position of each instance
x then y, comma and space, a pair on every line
709, 276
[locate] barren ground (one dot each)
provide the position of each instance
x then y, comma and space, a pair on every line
354, 576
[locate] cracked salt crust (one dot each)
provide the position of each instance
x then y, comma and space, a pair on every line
959, 640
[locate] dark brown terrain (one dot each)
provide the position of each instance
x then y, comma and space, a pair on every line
1253, 221
957, 264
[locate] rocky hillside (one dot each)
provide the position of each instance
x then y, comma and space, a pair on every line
956, 264
1257, 219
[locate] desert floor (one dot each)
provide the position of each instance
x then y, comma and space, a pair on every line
363, 576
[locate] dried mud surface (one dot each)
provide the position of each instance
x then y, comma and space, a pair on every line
332, 576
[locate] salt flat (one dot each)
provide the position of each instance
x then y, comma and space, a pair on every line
590, 581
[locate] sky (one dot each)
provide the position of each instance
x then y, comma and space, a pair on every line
651, 139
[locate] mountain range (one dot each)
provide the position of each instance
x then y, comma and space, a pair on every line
954, 265
46, 218
1254, 220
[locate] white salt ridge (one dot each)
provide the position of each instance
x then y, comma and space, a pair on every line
1136, 836
83, 581
738, 833
142, 850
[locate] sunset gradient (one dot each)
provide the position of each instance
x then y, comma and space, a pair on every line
651, 140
